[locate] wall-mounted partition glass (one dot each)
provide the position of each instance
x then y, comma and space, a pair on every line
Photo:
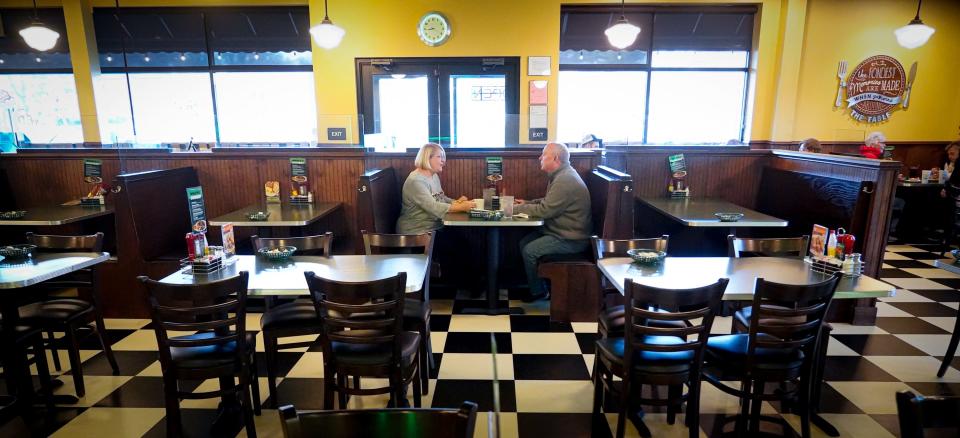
684, 81
457, 102
237, 75
38, 95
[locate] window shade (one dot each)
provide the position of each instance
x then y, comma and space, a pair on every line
702, 31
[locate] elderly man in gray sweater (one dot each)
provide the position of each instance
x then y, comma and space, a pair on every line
565, 211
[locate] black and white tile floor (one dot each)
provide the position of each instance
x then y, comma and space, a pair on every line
544, 370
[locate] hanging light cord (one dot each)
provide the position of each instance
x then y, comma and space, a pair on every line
326, 16
36, 12
917, 18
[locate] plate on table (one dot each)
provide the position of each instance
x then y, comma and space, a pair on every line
18, 251
728, 217
277, 253
13, 214
258, 215
646, 256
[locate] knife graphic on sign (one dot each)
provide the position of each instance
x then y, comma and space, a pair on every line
910, 79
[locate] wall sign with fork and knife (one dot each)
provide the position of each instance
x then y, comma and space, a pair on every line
875, 88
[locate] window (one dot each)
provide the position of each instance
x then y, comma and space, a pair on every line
457, 102
38, 95
206, 74
684, 81
266, 106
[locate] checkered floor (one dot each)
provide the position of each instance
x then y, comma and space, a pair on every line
545, 388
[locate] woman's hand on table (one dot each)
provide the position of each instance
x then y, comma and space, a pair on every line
463, 198
518, 201
459, 206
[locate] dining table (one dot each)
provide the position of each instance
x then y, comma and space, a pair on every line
691, 272
57, 215
492, 231
279, 215
17, 275
285, 277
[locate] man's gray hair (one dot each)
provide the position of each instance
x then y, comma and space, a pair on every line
563, 154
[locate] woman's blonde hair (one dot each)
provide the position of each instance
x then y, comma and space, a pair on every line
810, 145
426, 151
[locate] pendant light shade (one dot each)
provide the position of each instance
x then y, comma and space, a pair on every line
38, 36
914, 34
326, 34
623, 34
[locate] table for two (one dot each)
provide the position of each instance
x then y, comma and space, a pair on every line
296, 217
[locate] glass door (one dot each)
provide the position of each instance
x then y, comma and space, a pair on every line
457, 102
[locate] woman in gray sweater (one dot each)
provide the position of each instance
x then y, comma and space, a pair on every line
424, 203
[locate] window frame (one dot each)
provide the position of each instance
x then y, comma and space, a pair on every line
650, 48
211, 68
437, 68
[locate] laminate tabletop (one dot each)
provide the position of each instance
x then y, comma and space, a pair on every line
17, 273
58, 215
281, 215
699, 212
464, 220
286, 277
691, 272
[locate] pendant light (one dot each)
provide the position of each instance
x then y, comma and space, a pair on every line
326, 34
622, 34
38, 36
914, 34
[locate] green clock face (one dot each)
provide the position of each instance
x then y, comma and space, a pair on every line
433, 29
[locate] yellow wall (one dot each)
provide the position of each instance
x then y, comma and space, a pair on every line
855, 30
798, 45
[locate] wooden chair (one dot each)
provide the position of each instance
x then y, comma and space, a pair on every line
792, 247
422, 423
611, 319
68, 314
788, 247
363, 336
27, 341
780, 346
298, 318
221, 348
655, 353
917, 413
416, 312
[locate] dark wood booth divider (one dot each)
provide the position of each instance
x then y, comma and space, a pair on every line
378, 201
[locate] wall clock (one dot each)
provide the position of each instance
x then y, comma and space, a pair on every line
433, 29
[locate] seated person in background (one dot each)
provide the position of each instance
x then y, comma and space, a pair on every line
591, 142
810, 145
874, 145
424, 203
565, 211
946, 177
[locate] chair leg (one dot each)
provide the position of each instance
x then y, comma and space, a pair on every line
416, 387
624, 406
255, 384
328, 387
107, 350
172, 405
805, 405
755, 404
951, 348
76, 367
248, 422
52, 346
270, 348
693, 409
46, 385
741, 423
674, 393
597, 390
342, 394
424, 375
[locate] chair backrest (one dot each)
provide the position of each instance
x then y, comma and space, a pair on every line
212, 307
789, 316
917, 413
645, 306
381, 243
619, 247
53, 243
422, 423
318, 245
378, 200
360, 313
792, 247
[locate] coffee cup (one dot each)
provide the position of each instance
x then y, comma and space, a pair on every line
506, 204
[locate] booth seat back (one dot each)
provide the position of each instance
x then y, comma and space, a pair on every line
378, 201
155, 203
807, 199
